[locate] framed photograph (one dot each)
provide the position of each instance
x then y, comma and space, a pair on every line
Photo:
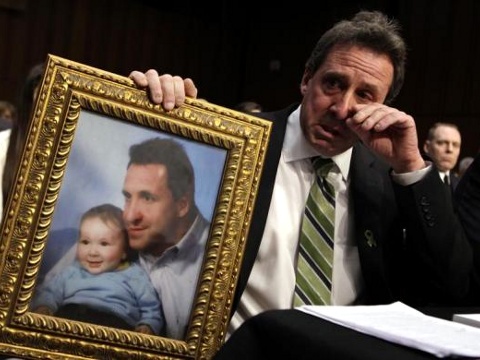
124, 232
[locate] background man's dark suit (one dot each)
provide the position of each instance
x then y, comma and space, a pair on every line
388, 262
453, 178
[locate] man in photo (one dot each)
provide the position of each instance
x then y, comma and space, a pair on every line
165, 225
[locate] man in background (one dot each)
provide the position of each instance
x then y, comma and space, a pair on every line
442, 146
8, 114
249, 107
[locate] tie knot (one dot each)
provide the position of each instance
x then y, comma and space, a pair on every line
322, 166
446, 180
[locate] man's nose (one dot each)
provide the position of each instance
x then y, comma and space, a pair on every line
343, 105
130, 212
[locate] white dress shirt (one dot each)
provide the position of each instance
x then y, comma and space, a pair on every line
271, 283
277, 255
4, 140
443, 174
174, 275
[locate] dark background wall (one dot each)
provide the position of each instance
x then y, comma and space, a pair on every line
236, 51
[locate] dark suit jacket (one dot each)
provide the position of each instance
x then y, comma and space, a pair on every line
411, 246
467, 202
453, 177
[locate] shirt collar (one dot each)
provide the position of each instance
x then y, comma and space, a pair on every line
193, 235
296, 148
191, 239
443, 174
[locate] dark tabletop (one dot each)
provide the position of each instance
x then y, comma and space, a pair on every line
293, 334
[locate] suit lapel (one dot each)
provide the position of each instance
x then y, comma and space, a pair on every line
366, 187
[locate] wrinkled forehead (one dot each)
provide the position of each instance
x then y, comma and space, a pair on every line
371, 60
445, 132
365, 66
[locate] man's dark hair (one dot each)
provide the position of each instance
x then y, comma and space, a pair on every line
170, 153
434, 127
368, 29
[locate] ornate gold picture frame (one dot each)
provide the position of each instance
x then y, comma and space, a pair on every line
83, 126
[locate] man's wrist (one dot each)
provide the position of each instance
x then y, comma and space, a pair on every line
411, 177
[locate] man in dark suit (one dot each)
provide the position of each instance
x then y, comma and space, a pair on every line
442, 146
396, 237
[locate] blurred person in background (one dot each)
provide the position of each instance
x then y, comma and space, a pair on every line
463, 165
11, 146
442, 146
8, 115
249, 107
13, 140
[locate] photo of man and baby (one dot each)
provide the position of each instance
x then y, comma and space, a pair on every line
130, 228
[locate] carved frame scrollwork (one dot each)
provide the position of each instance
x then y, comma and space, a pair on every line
67, 89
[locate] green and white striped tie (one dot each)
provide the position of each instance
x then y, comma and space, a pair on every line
315, 255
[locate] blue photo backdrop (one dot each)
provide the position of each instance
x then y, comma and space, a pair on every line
96, 168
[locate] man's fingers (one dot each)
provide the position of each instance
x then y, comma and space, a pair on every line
179, 92
155, 86
190, 88
167, 90
378, 117
139, 78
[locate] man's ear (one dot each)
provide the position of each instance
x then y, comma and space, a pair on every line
183, 205
304, 84
425, 146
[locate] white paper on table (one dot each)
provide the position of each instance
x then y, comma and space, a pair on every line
401, 324
468, 319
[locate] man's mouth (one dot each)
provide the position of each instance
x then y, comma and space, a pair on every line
135, 232
329, 132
